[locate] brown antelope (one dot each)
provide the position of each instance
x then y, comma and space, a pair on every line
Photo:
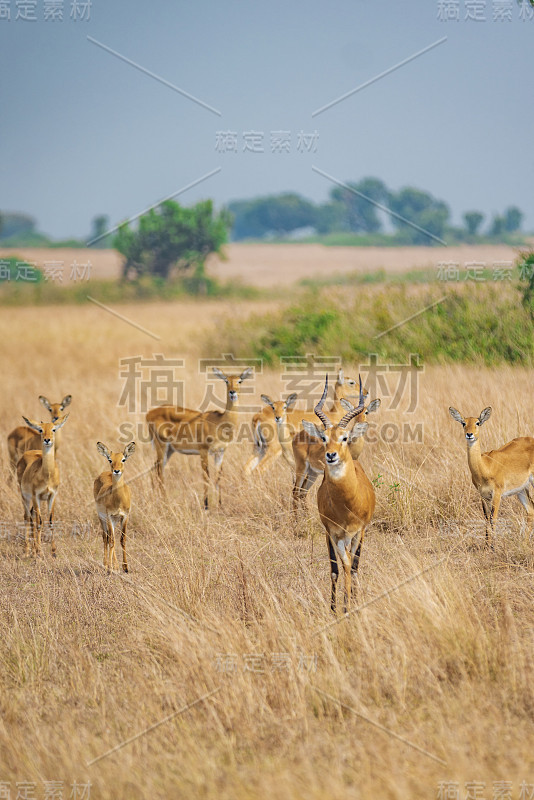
346, 498
23, 438
267, 447
309, 454
113, 501
38, 477
498, 473
197, 433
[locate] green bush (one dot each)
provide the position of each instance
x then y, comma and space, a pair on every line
16, 269
476, 323
525, 264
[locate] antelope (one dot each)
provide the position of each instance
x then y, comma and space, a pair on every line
309, 454
197, 433
498, 473
346, 498
267, 447
113, 501
38, 477
23, 438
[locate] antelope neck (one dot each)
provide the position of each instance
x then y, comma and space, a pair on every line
48, 461
474, 459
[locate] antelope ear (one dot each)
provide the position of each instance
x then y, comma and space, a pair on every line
456, 415
312, 429
341, 376
358, 430
246, 374
103, 450
267, 400
128, 450
45, 403
291, 400
220, 374
346, 404
484, 415
35, 426
61, 421
66, 401
373, 406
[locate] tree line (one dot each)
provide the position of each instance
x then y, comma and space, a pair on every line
416, 216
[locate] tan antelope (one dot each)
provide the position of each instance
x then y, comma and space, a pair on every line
309, 454
498, 473
23, 438
113, 501
346, 498
197, 433
38, 478
267, 447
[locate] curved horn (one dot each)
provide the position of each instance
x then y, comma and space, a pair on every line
355, 410
319, 407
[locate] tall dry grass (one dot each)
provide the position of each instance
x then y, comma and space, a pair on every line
234, 601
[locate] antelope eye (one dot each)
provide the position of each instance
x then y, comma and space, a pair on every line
463, 424
477, 423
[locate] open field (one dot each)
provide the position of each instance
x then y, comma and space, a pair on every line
233, 602
271, 265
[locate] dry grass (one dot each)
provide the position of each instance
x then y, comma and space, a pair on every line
87, 660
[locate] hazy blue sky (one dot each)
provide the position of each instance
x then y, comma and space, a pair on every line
83, 132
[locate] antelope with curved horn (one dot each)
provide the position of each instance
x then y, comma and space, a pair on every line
287, 429
113, 501
498, 473
24, 438
267, 447
309, 454
346, 498
38, 477
197, 433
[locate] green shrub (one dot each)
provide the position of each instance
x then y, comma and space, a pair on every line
525, 264
475, 323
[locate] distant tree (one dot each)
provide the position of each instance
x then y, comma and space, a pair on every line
172, 238
358, 203
497, 227
513, 218
422, 209
16, 224
472, 221
276, 214
331, 217
99, 226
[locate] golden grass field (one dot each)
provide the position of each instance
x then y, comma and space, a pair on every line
234, 602
268, 265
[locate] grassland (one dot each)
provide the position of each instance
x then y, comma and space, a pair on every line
440, 653
266, 265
